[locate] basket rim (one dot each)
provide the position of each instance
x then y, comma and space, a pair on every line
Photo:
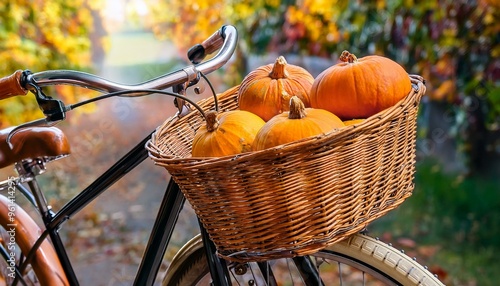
156, 153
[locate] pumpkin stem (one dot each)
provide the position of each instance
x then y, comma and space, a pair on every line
297, 108
212, 122
347, 57
279, 69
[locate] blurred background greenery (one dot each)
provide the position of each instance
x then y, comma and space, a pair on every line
452, 222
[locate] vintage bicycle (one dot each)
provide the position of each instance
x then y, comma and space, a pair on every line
36, 255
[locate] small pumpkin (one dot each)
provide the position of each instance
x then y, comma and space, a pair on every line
298, 123
360, 88
352, 121
266, 90
226, 133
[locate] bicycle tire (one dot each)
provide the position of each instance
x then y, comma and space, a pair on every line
375, 258
45, 268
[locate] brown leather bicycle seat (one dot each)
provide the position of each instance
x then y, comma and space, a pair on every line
32, 142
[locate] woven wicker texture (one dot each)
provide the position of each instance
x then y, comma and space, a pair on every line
297, 198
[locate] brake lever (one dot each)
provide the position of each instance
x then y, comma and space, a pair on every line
181, 105
53, 109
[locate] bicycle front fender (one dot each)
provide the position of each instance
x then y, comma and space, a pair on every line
23, 233
192, 246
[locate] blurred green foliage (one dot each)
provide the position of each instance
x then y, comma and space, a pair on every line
460, 215
459, 209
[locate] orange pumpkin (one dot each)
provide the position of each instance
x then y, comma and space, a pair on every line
266, 90
298, 123
359, 88
226, 133
353, 121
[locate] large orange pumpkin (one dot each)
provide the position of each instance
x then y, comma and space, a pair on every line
298, 123
226, 133
266, 90
359, 88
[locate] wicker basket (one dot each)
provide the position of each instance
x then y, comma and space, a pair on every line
297, 198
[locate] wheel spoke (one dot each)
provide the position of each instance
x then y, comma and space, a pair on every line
340, 273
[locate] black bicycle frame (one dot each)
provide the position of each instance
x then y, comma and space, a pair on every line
168, 213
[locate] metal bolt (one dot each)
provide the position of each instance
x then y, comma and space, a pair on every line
240, 269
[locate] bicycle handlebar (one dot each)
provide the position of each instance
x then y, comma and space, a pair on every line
224, 40
11, 85
197, 53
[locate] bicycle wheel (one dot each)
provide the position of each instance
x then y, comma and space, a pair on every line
18, 234
358, 260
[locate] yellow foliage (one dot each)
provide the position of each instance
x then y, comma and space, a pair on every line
445, 91
325, 8
318, 20
189, 22
43, 35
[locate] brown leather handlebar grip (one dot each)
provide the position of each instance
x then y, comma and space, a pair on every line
11, 85
213, 43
